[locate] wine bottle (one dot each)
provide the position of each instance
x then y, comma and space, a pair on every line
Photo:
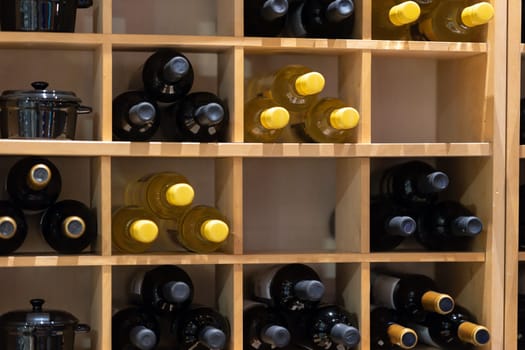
264, 120
328, 120
201, 327
134, 328
136, 117
454, 20
198, 117
386, 332
263, 328
289, 288
293, 87
165, 289
521, 321
69, 226
167, 75
411, 295
203, 229
33, 183
13, 227
390, 224
413, 183
133, 229
321, 19
327, 327
447, 225
391, 19
264, 17
457, 330
166, 195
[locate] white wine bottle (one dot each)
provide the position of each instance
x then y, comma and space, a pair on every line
133, 229
293, 87
167, 195
203, 229
264, 120
391, 19
455, 20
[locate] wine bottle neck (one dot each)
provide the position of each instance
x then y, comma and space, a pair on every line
38, 177
466, 226
276, 336
143, 338
345, 335
339, 10
142, 113
273, 9
175, 69
7, 227
213, 338
209, 114
176, 291
403, 226
310, 290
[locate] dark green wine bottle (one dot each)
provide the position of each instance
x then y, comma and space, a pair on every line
264, 328
264, 17
198, 117
165, 289
386, 332
167, 75
69, 226
134, 328
136, 117
33, 183
13, 227
200, 327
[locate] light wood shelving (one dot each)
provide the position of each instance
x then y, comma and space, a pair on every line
463, 131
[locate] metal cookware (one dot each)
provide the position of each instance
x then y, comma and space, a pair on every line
40, 113
39, 329
40, 15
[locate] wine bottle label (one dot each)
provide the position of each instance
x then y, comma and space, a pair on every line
262, 283
383, 287
423, 335
135, 287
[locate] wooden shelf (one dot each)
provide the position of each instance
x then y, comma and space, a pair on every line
246, 150
461, 87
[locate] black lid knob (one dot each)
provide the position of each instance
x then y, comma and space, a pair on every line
37, 304
39, 85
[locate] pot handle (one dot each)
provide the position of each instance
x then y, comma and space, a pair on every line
82, 328
84, 109
82, 4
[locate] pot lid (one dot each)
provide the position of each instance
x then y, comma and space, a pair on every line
37, 317
39, 94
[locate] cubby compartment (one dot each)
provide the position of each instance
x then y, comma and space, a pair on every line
71, 289
202, 174
469, 184
287, 205
64, 71
342, 74
212, 288
78, 175
212, 73
201, 17
430, 99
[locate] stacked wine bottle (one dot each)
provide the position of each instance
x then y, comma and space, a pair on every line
159, 207
161, 311
436, 20
33, 185
408, 205
286, 309
161, 100
409, 309
285, 106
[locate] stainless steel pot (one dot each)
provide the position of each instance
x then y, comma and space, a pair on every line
40, 113
37, 329
40, 15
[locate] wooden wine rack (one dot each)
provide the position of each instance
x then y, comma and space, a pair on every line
467, 115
